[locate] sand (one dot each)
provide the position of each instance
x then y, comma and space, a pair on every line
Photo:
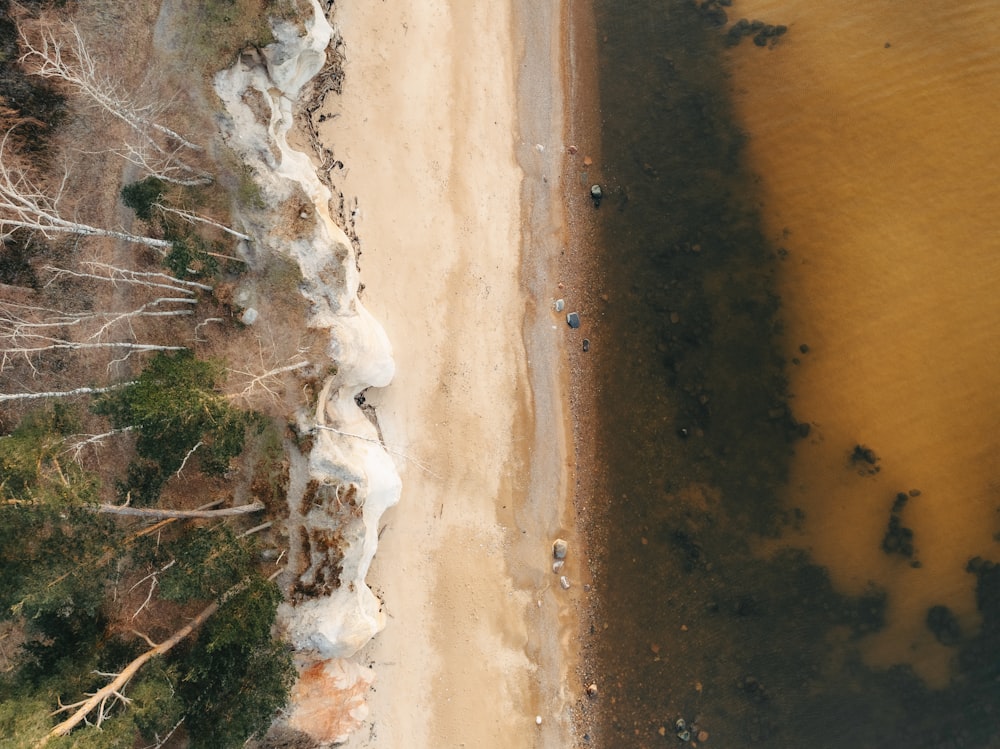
449, 128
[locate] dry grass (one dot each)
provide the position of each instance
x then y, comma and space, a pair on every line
207, 35
143, 47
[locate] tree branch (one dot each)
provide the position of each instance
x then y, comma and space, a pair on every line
114, 687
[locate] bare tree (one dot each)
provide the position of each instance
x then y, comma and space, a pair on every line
55, 50
24, 205
24, 322
29, 330
161, 514
198, 218
59, 393
97, 271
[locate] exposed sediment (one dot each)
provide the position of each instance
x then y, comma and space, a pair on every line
351, 479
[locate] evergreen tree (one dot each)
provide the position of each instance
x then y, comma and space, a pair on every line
177, 409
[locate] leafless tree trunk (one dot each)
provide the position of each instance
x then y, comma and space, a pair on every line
197, 218
45, 344
60, 393
77, 442
155, 512
115, 275
24, 322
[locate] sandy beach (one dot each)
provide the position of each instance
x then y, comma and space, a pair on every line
449, 128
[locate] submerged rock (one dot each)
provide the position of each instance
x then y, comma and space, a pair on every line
944, 624
573, 320
898, 539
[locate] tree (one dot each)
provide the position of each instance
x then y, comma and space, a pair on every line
59, 560
176, 409
56, 51
29, 330
133, 620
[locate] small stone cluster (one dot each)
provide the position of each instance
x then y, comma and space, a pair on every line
687, 731
559, 550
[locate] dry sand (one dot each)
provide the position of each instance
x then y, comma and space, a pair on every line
449, 127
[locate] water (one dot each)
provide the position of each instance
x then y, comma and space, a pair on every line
798, 253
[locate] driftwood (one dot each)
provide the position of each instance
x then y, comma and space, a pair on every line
155, 512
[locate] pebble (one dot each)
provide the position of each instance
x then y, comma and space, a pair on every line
564, 583
559, 548
538, 720
573, 319
703, 736
592, 690
560, 305
557, 565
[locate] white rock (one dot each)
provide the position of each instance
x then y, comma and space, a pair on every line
340, 624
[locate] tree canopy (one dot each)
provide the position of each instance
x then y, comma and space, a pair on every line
76, 585
178, 413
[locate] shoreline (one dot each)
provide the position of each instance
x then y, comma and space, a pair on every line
437, 127
581, 283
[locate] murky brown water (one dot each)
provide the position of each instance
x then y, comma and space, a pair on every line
873, 128
797, 256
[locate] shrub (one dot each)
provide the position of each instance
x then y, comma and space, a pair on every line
142, 196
